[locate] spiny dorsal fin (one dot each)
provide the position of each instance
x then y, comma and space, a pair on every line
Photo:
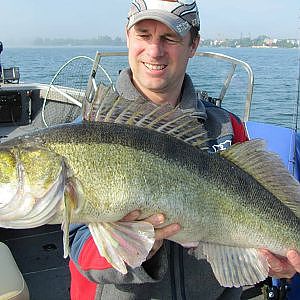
268, 169
109, 106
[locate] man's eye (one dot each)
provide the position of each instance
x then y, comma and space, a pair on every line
143, 36
172, 40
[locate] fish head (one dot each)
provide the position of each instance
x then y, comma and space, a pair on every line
28, 177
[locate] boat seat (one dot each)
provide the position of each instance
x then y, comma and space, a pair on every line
10, 75
12, 283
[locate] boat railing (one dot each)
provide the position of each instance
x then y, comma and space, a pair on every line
92, 84
79, 77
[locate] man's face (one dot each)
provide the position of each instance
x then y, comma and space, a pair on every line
158, 57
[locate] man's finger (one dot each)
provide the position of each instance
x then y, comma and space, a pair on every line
294, 258
279, 268
156, 219
132, 216
167, 231
274, 263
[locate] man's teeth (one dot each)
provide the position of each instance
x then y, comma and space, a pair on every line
154, 67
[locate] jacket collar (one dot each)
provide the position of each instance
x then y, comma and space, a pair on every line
189, 99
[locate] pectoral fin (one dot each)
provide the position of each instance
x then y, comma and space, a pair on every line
235, 267
123, 242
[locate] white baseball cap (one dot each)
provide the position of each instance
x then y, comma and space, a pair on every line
180, 15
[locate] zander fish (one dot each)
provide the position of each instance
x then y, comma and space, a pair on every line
129, 155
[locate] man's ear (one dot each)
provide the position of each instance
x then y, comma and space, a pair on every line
194, 45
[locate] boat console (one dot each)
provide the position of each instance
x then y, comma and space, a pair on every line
15, 107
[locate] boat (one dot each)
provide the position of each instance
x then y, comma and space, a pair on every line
35, 256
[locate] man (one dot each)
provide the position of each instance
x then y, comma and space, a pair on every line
161, 37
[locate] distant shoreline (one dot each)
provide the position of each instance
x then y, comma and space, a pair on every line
262, 41
124, 48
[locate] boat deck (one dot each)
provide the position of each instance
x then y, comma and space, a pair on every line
38, 253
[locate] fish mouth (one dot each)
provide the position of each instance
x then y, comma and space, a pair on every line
154, 67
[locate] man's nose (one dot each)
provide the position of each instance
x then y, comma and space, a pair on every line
156, 49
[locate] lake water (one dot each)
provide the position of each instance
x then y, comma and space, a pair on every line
276, 73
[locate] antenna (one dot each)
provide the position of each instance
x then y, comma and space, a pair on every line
298, 92
297, 102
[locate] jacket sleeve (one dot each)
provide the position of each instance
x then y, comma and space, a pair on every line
239, 131
86, 259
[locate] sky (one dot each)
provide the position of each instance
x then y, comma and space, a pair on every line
23, 20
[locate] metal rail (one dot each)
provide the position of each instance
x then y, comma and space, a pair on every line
233, 61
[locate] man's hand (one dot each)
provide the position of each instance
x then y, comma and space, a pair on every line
281, 267
160, 233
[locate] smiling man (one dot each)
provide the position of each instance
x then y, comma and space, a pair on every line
158, 58
161, 37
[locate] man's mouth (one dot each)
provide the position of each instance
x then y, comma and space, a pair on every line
155, 67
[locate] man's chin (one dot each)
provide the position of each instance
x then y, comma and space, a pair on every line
154, 83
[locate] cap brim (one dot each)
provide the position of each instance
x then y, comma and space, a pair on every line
177, 24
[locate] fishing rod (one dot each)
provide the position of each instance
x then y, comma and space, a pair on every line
1, 49
297, 107
298, 93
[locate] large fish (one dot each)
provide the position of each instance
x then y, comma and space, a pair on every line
130, 155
